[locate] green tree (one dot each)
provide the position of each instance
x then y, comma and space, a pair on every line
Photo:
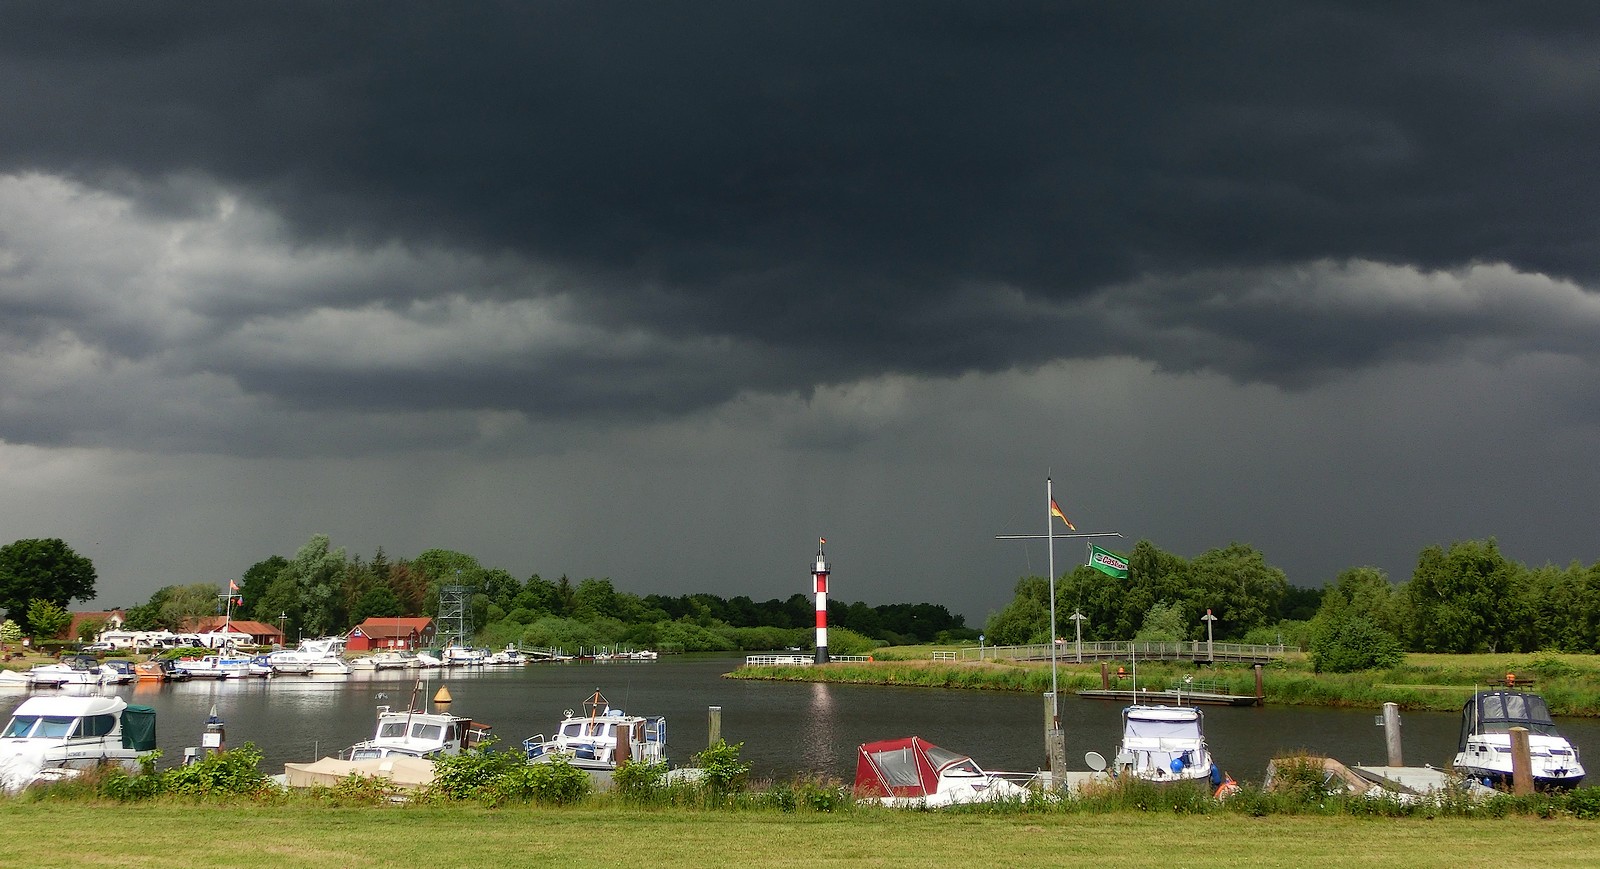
1026, 619
46, 618
1461, 599
88, 629
318, 576
181, 605
379, 602
10, 632
253, 587
44, 569
1163, 623
1345, 643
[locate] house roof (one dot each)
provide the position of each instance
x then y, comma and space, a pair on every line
392, 626
79, 618
212, 624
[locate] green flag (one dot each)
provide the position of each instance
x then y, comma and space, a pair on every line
1108, 562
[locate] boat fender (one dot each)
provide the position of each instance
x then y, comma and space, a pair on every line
869, 659
1177, 765
1216, 776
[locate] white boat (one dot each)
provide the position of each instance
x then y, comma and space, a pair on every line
428, 661
464, 656
221, 667
601, 737
417, 733
118, 673
914, 773
509, 656
1164, 744
50, 738
1484, 751
317, 657
78, 670
394, 660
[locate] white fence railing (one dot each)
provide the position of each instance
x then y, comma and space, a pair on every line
800, 660
1185, 650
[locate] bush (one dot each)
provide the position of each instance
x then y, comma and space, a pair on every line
236, 771
1345, 644
463, 776
638, 782
554, 783
725, 773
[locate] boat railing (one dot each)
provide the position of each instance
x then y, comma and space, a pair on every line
801, 660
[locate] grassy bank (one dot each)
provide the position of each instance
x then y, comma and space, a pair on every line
1570, 683
202, 835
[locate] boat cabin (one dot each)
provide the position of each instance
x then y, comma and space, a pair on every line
420, 734
913, 771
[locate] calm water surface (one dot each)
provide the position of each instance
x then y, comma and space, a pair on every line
788, 729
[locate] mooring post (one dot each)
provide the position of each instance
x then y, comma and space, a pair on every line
714, 727
1105, 677
1261, 696
1055, 742
1521, 762
1391, 733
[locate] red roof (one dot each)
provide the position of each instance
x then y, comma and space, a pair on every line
392, 626
210, 624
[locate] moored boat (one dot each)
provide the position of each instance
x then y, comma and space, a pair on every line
71, 670
463, 656
54, 737
1484, 750
415, 732
394, 660
1164, 744
600, 737
315, 657
912, 772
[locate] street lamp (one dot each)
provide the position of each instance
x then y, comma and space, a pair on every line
282, 617
1211, 653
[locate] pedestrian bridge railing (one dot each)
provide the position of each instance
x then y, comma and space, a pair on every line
801, 660
1112, 650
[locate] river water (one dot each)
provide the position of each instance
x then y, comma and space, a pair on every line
788, 728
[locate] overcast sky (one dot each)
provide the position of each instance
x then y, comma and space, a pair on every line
664, 292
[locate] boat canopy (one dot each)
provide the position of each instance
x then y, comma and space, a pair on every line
908, 767
1499, 711
139, 728
1161, 722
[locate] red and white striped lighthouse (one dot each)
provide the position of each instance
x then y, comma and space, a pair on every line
819, 572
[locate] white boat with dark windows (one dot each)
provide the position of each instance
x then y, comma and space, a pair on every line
600, 737
1165, 744
70, 670
509, 656
1484, 750
914, 773
51, 738
316, 657
394, 660
464, 656
222, 667
416, 733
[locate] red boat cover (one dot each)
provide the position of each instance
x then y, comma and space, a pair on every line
906, 767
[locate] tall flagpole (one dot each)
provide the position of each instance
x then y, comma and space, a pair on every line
1050, 534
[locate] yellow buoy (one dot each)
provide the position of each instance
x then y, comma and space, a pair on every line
443, 697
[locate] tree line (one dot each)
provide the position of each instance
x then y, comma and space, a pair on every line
321, 590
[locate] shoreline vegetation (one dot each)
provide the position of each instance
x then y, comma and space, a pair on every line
1570, 683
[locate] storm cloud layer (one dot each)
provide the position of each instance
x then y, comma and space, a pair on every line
661, 293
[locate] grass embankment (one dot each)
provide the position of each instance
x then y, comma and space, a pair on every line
1570, 683
169, 834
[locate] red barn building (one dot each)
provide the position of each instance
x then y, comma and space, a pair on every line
381, 633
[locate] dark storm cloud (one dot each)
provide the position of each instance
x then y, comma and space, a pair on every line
788, 194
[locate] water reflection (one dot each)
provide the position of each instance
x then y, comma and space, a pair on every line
820, 750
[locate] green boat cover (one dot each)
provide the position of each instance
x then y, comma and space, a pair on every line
139, 728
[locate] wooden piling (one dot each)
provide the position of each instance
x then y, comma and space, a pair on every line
1391, 733
714, 725
1261, 695
1055, 741
1521, 762
1105, 677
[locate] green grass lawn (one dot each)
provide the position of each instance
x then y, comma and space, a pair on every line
47, 834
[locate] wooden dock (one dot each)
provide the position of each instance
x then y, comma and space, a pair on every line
1176, 698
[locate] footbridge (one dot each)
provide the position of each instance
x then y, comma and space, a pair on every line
1197, 651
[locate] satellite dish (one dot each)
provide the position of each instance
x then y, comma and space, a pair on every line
1095, 761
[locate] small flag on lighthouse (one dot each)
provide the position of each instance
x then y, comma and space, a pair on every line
1055, 510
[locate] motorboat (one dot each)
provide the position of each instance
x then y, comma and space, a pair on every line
509, 656
49, 738
222, 667
417, 733
158, 670
1484, 750
315, 657
428, 661
913, 773
600, 737
463, 656
71, 670
118, 673
394, 660
1164, 744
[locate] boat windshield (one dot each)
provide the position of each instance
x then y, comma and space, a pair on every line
39, 727
426, 731
948, 762
392, 730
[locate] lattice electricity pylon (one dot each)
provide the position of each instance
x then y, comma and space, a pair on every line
455, 623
